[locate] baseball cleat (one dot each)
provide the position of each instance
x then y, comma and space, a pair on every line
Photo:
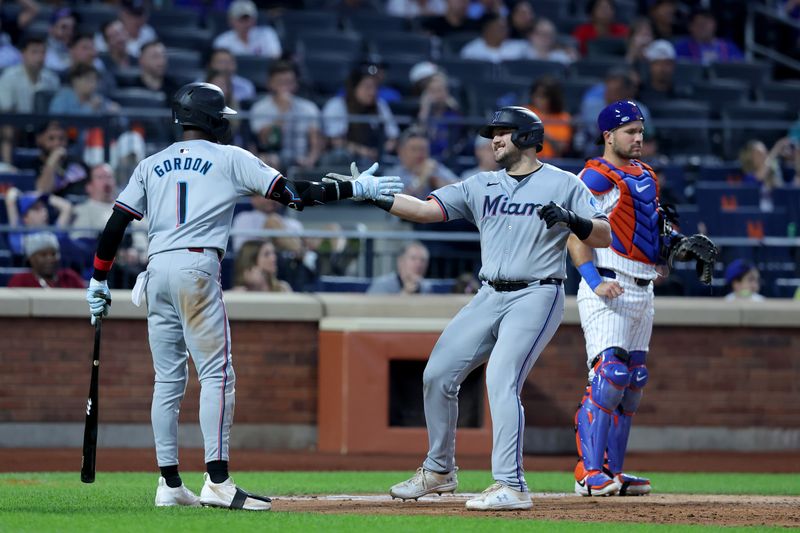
499, 497
425, 482
596, 484
167, 496
632, 485
227, 495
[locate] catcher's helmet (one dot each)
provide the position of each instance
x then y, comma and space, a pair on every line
529, 128
202, 105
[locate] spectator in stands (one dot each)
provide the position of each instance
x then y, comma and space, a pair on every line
480, 9
362, 139
133, 15
30, 210
761, 167
116, 39
620, 83
59, 36
415, 8
543, 44
484, 156
256, 268
12, 29
419, 75
222, 60
153, 64
601, 24
287, 127
56, 170
266, 214
521, 19
744, 280
438, 115
244, 37
101, 191
19, 84
639, 38
409, 278
374, 63
494, 45
81, 96
662, 15
420, 173
345, 8
547, 101
454, 20
659, 84
43, 254
702, 45
83, 52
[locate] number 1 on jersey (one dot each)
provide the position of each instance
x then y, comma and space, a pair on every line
181, 203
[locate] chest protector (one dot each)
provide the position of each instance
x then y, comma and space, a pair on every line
634, 220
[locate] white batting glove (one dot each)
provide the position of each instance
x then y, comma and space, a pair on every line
99, 298
367, 186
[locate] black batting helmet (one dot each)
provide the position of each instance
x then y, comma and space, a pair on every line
202, 105
529, 130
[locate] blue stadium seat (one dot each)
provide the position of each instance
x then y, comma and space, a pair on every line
468, 69
765, 121
317, 44
486, 96
751, 72
788, 198
165, 20
574, 89
534, 68
183, 58
746, 222
327, 75
187, 38
719, 94
453, 43
603, 47
787, 92
692, 139
370, 22
396, 44
729, 172
297, 22
716, 196
594, 67
24, 181
344, 284
254, 68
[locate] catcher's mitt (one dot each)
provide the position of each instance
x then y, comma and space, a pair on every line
701, 249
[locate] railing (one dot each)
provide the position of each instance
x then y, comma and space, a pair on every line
761, 17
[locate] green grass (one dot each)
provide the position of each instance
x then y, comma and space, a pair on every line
44, 502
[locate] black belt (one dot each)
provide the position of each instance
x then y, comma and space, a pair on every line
201, 250
608, 273
502, 285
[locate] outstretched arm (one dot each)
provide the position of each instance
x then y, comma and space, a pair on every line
412, 209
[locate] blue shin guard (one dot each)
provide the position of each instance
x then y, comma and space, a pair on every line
621, 425
611, 379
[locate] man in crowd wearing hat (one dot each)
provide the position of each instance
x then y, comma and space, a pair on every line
30, 210
59, 37
660, 83
56, 170
136, 31
702, 45
244, 37
743, 278
43, 253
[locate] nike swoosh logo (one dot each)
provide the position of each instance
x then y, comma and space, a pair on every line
582, 483
495, 183
640, 378
618, 373
640, 189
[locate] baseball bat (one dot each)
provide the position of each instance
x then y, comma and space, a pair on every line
90, 427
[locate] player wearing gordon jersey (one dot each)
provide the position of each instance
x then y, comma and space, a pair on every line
524, 214
615, 299
188, 192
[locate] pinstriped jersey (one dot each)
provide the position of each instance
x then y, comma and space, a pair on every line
188, 192
515, 242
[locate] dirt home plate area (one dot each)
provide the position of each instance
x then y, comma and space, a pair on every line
698, 509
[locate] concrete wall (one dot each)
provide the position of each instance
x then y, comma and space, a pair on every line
723, 375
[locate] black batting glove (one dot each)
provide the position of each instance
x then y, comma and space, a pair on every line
553, 214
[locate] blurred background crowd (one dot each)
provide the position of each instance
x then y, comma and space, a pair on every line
85, 89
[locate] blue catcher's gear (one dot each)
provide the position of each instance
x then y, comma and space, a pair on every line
621, 426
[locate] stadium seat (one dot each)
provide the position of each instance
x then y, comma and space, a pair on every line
593, 67
401, 44
748, 222
689, 72
24, 181
750, 72
196, 39
468, 69
369, 22
766, 121
533, 68
93, 16
788, 198
728, 172
302, 22
688, 139
327, 75
183, 59
254, 68
397, 73
787, 92
607, 47
347, 45
453, 43
138, 97
344, 283
574, 89
551, 9
717, 196
165, 20
719, 94
41, 101
486, 96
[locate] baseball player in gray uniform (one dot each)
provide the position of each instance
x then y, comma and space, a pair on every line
188, 192
524, 213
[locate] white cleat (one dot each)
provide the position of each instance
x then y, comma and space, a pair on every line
167, 496
425, 482
229, 496
499, 497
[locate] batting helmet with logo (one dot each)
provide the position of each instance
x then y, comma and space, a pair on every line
529, 130
202, 105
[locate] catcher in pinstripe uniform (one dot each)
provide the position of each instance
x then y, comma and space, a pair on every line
615, 298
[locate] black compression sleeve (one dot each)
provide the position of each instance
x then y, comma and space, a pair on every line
581, 227
315, 193
109, 240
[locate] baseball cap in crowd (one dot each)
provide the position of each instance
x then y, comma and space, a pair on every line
481, 141
421, 71
137, 7
659, 50
36, 242
61, 13
242, 8
26, 201
736, 269
617, 114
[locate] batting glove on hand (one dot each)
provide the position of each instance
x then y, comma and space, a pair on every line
367, 186
553, 214
99, 298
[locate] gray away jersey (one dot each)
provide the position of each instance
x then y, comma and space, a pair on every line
188, 192
515, 242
